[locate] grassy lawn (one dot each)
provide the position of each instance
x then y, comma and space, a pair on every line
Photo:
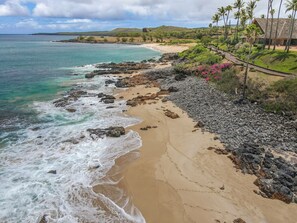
276, 60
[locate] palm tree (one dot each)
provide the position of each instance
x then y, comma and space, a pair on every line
277, 24
228, 9
223, 14
251, 6
215, 19
291, 5
251, 33
243, 18
272, 11
269, 7
239, 4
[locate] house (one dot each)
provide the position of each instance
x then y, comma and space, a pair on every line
283, 30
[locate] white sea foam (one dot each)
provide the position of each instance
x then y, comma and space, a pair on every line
62, 143
83, 69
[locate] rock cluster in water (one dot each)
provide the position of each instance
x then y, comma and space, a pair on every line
109, 132
120, 68
72, 96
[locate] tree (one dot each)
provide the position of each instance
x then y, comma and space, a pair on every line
272, 11
291, 5
228, 9
251, 33
277, 24
243, 18
239, 4
269, 7
215, 19
222, 13
262, 16
144, 37
251, 6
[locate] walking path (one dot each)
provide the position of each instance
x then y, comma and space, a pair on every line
238, 61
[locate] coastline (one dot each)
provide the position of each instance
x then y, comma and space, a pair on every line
178, 179
167, 48
181, 173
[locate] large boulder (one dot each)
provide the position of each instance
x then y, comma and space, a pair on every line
109, 132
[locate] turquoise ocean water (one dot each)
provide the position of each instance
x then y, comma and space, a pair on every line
35, 136
33, 67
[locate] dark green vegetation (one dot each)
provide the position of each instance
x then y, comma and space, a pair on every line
161, 33
283, 97
200, 55
113, 32
279, 97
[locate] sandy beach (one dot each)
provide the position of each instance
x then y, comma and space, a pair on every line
182, 172
178, 179
168, 48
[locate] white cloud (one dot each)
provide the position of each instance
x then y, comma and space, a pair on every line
77, 24
134, 9
78, 21
13, 8
28, 23
187, 11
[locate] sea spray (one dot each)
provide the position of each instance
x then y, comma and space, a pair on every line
50, 167
50, 174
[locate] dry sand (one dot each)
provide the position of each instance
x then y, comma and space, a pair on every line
177, 179
168, 48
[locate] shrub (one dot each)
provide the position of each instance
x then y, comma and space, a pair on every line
213, 72
90, 39
208, 58
229, 82
284, 96
205, 40
183, 68
201, 54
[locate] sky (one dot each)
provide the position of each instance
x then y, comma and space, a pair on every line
32, 16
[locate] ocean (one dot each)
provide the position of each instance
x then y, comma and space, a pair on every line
36, 137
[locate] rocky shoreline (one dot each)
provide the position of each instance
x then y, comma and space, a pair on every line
258, 143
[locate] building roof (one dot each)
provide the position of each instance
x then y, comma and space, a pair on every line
283, 28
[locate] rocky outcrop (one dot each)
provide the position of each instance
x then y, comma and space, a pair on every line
143, 99
156, 74
167, 57
109, 132
277, 178
119, 68
172, 89
134, 81
171, 114
106, 99
258, 141
72, 96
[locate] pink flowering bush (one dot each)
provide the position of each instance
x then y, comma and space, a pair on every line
213, 72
